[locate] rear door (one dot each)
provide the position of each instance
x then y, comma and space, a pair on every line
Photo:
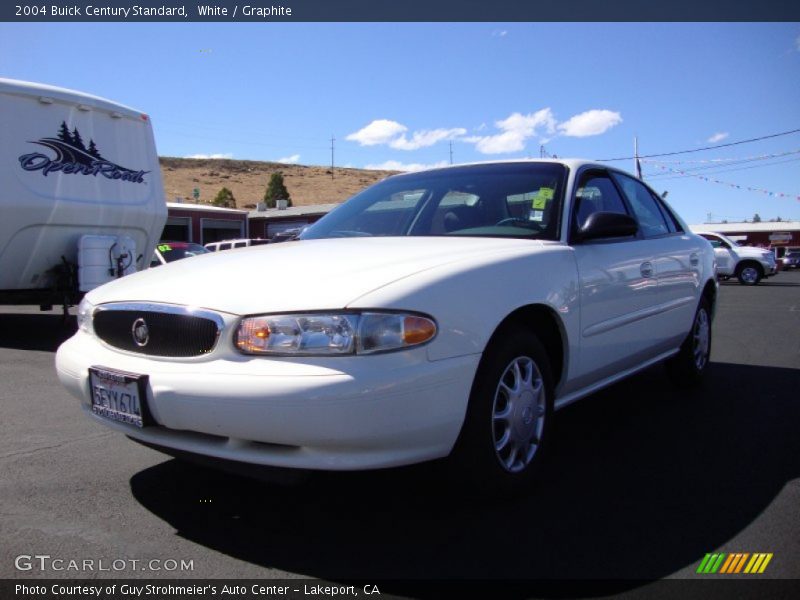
676, 259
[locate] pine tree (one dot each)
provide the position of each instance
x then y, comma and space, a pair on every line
276, 190
76, 139
63, 133
224, 199
756, 218
93, 149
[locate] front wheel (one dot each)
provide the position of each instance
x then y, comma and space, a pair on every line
749, 274
690, 365
508, 417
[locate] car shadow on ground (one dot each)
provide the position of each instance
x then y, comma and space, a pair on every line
35, 331
643, 480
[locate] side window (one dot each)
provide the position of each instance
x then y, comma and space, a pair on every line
672, 222
651, 220
597, 193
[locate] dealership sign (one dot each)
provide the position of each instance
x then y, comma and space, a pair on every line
780, 237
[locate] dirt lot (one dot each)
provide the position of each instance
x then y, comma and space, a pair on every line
248, 180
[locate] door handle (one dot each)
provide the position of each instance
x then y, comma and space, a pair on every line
646, 269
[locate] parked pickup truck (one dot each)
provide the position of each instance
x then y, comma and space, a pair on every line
749, 265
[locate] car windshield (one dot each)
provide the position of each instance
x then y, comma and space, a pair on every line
176, 250
494, 200
729, 240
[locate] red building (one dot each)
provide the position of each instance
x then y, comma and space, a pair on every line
202, 223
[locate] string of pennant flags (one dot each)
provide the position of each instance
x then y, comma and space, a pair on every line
725, 183
712, 161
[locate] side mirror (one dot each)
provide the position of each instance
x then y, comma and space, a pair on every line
601, 225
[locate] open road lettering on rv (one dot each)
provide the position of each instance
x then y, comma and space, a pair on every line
39, 162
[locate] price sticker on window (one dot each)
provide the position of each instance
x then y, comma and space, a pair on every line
541, 198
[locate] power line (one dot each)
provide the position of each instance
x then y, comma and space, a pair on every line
758, 139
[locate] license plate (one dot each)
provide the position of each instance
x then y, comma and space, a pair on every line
119, 396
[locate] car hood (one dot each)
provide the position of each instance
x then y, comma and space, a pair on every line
751, 252
298, 276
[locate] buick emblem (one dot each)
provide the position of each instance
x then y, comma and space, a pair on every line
141, 334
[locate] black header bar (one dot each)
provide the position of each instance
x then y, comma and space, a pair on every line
398, 11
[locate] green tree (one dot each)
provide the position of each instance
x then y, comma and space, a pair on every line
756, 218
276, 190
224, 199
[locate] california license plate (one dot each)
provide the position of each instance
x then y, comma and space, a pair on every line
118, 395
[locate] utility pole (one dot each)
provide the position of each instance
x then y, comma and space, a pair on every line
451, 152
333, 139
636, 164
541, 151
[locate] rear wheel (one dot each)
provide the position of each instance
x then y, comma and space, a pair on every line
690, 365
508, 417
749, 273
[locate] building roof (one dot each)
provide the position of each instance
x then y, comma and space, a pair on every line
763, 226
293, 211
203, 207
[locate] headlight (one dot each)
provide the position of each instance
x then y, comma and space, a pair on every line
85, 312
332, 334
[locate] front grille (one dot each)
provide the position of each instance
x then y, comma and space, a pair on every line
168, 331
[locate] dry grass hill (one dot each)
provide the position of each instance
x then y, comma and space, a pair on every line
248, 180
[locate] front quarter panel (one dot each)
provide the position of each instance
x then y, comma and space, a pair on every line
469, 299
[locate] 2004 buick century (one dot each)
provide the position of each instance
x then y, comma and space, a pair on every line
440, 313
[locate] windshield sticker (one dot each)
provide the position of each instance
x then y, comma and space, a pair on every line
73, 157
164, 248
542, 197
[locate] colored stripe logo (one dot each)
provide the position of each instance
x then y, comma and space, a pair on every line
733, 563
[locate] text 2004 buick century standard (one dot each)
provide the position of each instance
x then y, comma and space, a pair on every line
441, 313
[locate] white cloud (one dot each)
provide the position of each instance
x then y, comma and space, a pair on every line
516, 130
591, 122
289, 159
394, 165
499, 33
380, 131
226, 155
423, 139
717, 137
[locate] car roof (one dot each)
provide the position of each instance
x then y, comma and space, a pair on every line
571, 163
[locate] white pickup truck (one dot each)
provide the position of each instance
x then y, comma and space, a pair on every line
749, 265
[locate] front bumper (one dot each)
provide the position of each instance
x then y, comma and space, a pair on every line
339, 413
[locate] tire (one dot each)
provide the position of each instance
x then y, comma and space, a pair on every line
690, 365
749, 273
506, 429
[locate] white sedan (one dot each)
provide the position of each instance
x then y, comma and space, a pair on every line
440, 313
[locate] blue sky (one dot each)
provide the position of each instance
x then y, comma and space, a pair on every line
395, 95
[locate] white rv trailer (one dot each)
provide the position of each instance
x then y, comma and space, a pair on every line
81, 197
